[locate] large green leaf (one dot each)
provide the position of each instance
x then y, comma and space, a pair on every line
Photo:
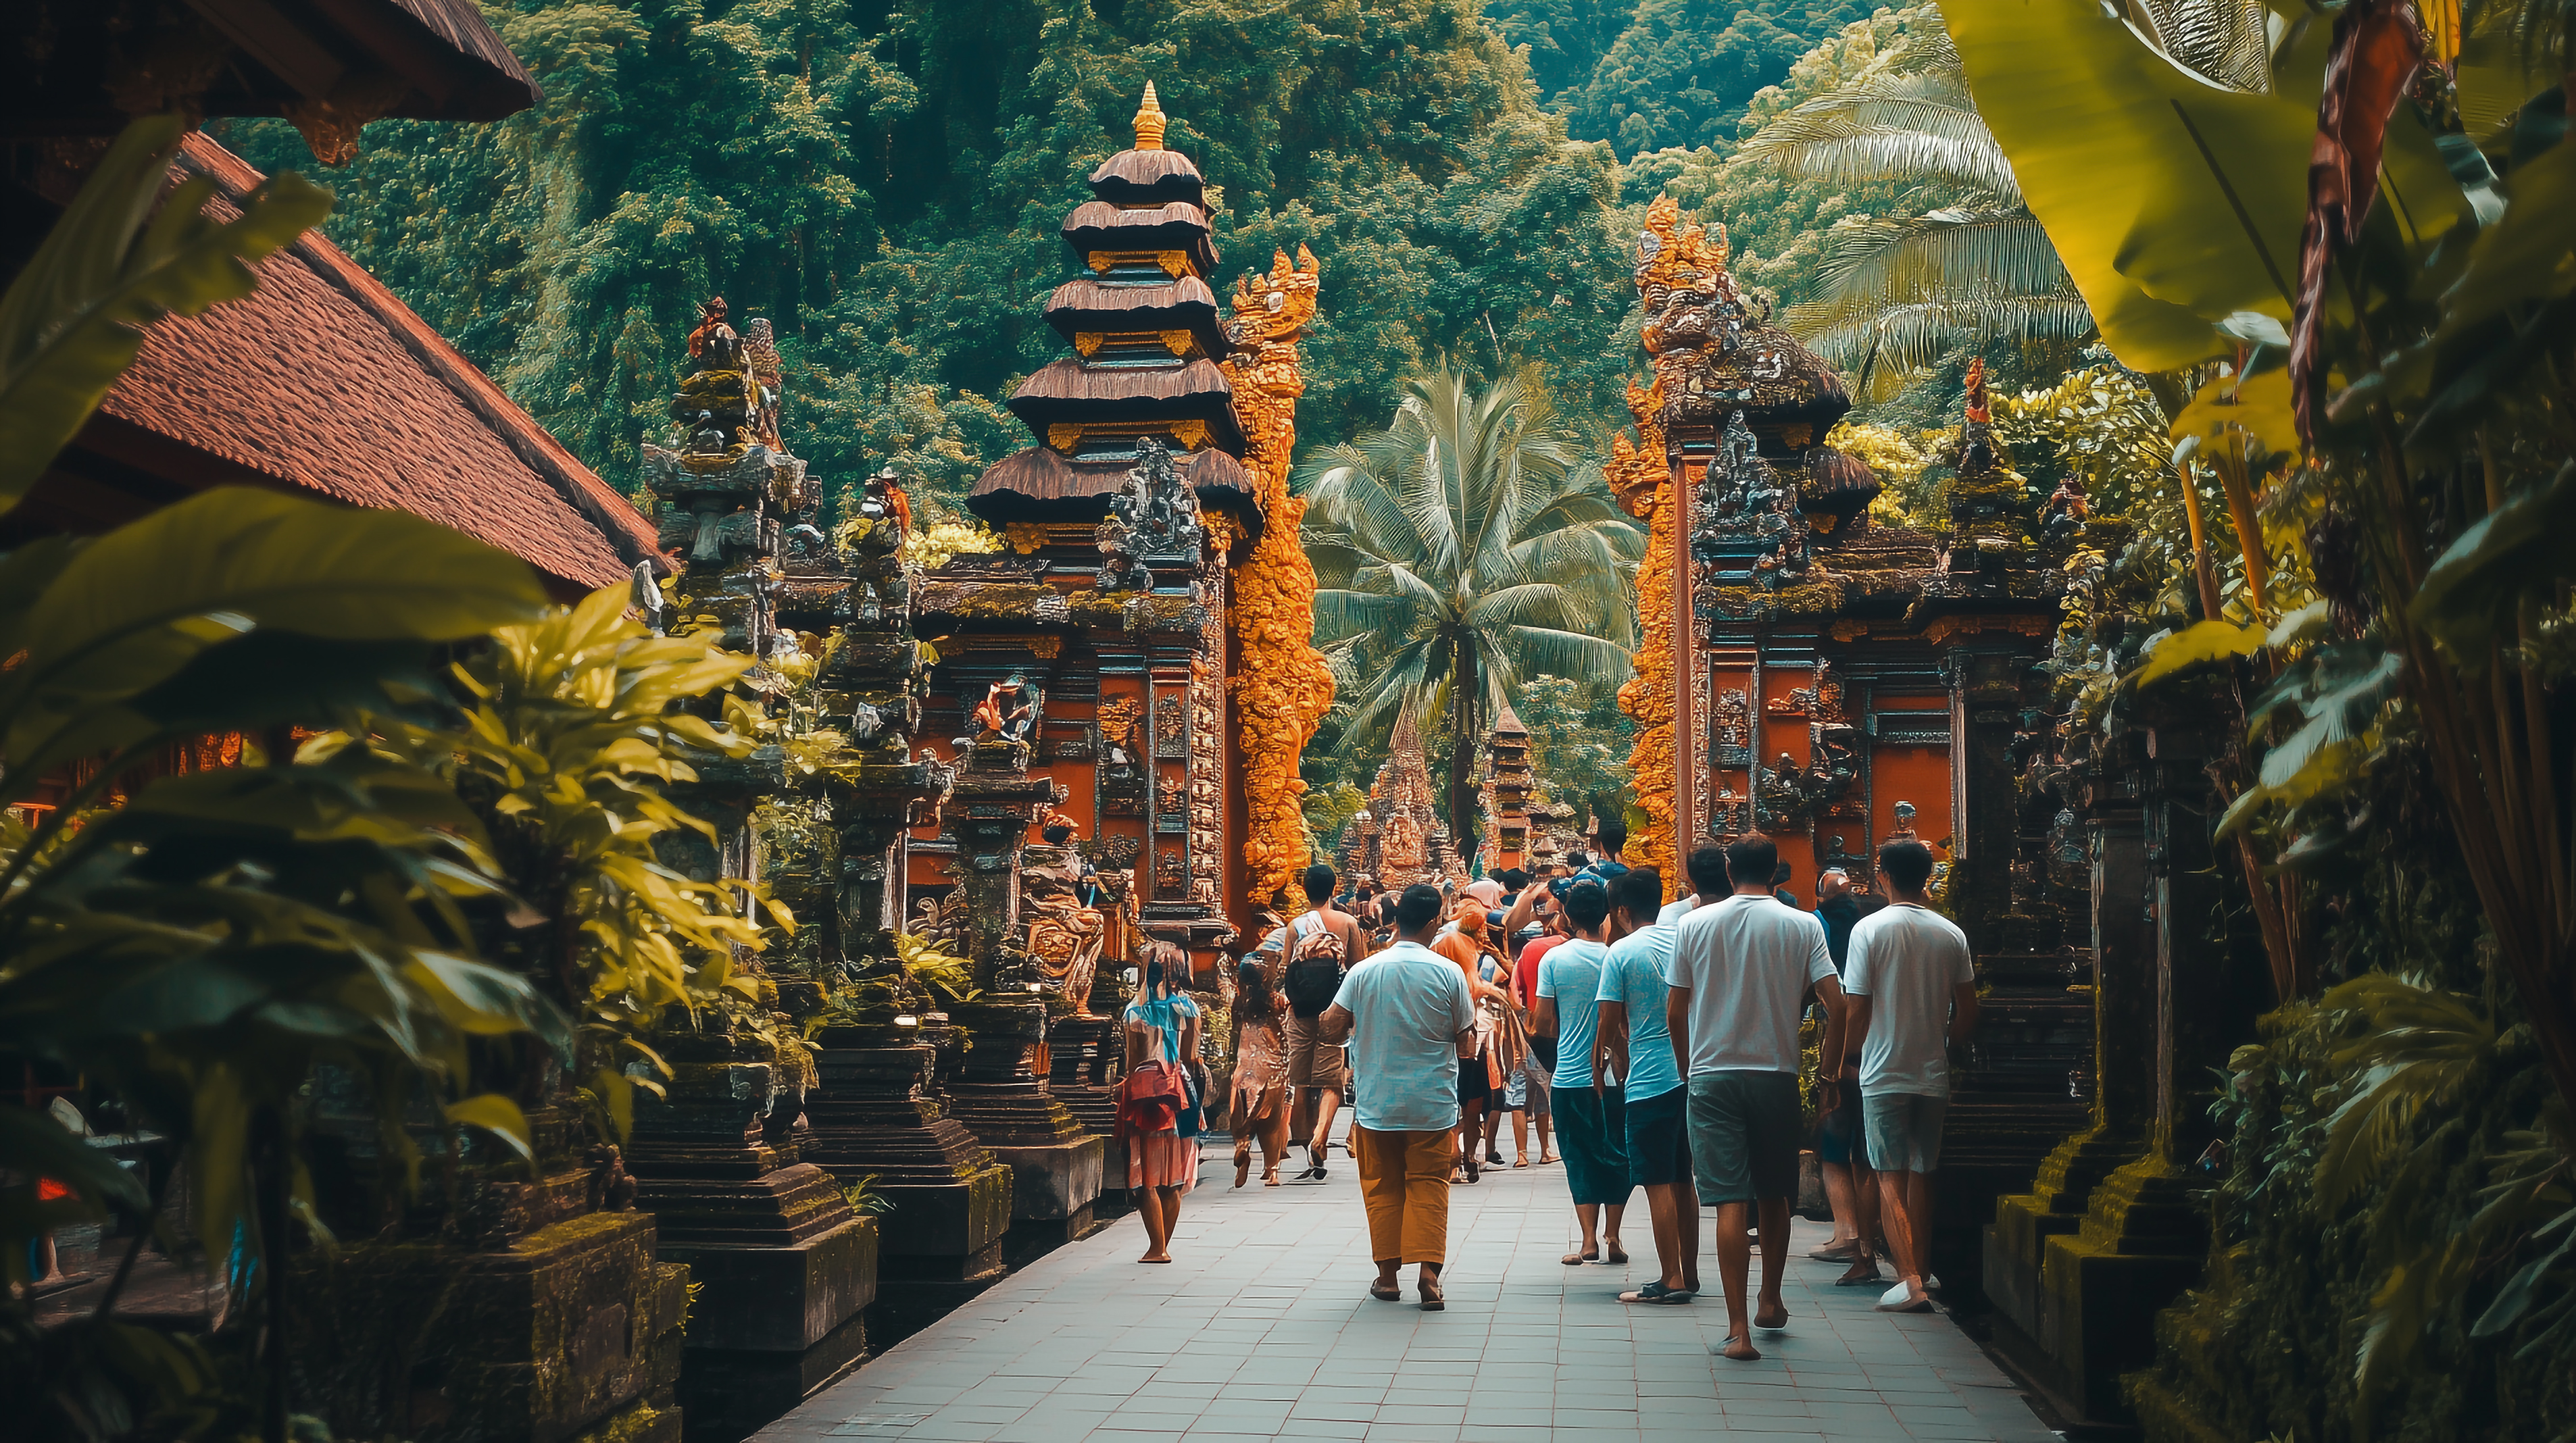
2518, 550
2107, 139
72, 320
133, 608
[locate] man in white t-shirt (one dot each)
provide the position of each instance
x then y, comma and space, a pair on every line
1407, 1013
1738, 984
1913, 997
1707, 867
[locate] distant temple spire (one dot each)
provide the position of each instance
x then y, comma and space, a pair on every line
1149, 121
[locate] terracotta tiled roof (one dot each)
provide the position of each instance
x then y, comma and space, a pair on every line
324, 381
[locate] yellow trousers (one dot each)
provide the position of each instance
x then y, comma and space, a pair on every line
1404, 1179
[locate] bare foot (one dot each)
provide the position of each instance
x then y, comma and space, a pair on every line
1155, 1258
1772, 1317
1576, 1260
1862, 1270
1741, 1350
1618, 1254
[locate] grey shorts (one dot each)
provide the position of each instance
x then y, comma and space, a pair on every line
1904, 1130
1534, 1081
1745, 1129
1313, 1062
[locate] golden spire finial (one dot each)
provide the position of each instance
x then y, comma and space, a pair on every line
1149, 121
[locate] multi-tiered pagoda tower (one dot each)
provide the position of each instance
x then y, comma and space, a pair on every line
1154, 611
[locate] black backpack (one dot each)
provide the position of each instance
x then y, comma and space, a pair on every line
1314, 976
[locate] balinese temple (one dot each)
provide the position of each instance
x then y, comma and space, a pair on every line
1506, 794
1146, 634
1832, 681
1400, 837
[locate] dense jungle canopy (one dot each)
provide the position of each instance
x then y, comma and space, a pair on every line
884, 180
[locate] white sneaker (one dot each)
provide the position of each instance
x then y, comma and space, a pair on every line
1898, 1300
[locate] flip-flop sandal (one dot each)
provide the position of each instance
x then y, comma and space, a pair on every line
1656, 1292
1919, 1305
1432, 1301
1576, 1260
1617, 1255
1523, 1161
1863, 1274
1832, 1253
1386, 1294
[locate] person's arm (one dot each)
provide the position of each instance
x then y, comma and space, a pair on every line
1830, 1055
1543, 1021
1522, 908
1335, 1024
1135, 1047
1856, 1014
1462, 1016
1963, 1011
1677, 1002
1613, 1026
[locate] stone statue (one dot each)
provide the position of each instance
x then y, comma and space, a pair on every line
1009, 710
1157, 515
1903, 831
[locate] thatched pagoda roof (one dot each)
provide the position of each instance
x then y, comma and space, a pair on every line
1085, 304
1096, 225
1069, 391
1832, 480
1040, 484
1148, 177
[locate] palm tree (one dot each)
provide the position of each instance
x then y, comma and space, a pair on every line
1463, 547
1896, 293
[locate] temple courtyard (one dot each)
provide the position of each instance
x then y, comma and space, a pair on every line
1262, 1328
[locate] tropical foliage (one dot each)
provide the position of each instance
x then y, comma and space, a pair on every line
1961, 263
200, 943
1460, 550
2367, 415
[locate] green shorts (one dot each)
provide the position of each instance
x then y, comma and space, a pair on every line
1744, 1134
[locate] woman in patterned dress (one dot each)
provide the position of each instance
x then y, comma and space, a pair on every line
1259, 1105
1161, 1025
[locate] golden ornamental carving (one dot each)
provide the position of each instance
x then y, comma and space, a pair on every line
1117, 720
1282, 688
1175, 264
1180, 343
1190, 434
1025, 536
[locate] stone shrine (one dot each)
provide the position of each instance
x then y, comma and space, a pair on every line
1809, 669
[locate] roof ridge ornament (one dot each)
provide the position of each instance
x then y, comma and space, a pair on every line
1149, 121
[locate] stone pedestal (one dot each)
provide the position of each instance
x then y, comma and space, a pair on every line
1084, 1054
785, 1266
940, 1243
2013, 1102
2079, 1265
567, 1334
1056, 1166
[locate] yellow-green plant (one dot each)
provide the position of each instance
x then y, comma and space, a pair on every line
198, 948
575, 727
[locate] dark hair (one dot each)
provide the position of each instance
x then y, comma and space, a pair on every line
1319, 882
1640, 890
1781, 874
1576, 861
1612, 838
1153, 977
1708, 869
1254, 981
1417, 907
1513, 879
1906, 864
1750, 860
1586, 905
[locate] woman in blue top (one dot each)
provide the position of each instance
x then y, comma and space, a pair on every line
1162, 1025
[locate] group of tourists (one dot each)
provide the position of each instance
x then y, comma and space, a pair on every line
1656, 1044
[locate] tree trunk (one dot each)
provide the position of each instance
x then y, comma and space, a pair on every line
1467, 690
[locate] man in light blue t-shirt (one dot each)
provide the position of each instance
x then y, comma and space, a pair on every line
1591, 1126
1639, 1040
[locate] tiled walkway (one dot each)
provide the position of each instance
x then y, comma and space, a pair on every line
1262, 1328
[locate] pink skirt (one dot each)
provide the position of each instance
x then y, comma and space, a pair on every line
1162, 1159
